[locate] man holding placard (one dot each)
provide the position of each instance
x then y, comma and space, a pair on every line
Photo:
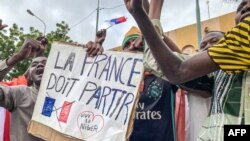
155, 109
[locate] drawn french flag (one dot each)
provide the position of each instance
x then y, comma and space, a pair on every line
117, 20
64, 114
48, 106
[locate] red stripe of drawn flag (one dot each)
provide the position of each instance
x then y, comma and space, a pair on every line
64, 114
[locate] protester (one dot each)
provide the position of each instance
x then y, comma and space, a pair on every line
20, 100
21, 80
3, 135
231, 54
227, 92
200, 101
199, 92
226, 101
178, 71
155, 109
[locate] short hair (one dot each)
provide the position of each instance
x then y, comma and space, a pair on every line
186, 46
215, 31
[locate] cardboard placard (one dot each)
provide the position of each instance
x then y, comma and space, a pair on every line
87, 98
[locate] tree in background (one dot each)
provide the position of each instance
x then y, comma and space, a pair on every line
11, 41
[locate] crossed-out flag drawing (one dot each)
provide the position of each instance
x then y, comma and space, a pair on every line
49, 107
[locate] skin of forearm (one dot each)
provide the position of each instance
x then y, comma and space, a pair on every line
155, 13
201, 93
146, 5
10, 63
159, 49
155, 9
176, 70
171, 44
13, 60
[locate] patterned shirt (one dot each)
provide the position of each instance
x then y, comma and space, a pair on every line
231, 99
232, 53
227, 105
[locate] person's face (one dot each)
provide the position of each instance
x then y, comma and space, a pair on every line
210, 39
36, 70
134, 44
243, 11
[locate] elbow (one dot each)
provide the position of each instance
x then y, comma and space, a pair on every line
178, 75
175, 78
175, 81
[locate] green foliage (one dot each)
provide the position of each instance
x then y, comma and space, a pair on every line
11, 41
60, 34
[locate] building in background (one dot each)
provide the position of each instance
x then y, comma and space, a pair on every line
186, 38
187, 35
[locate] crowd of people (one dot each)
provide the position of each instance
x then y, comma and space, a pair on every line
214, 81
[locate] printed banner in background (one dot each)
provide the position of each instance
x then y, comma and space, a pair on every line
88, 98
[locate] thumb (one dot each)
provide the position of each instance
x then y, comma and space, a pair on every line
3, 26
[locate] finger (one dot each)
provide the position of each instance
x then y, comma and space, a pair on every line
36, 44
99, 33
36, 48
28, 43
100, 51
30, 51
44, 42
42, 48
3, 26
96, 50
104, 32
91, 48
88, 45
39, 52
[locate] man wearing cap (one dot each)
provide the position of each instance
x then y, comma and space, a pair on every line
155, 109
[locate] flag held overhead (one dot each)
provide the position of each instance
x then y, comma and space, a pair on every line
117, 20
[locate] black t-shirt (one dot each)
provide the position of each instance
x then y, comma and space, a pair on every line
155, 111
